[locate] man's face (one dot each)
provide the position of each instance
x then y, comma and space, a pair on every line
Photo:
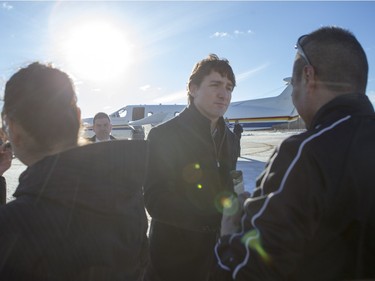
213, 96
102, 128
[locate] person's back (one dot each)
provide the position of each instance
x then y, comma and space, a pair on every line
312, 215
78, 212
338, 218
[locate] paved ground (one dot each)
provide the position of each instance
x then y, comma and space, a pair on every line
256, 148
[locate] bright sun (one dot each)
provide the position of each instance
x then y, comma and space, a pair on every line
97, 51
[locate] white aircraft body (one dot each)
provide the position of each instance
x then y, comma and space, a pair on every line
251, 114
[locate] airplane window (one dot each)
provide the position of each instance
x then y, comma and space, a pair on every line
122, 112
115, 114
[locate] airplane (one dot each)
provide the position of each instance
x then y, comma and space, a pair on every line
263, 113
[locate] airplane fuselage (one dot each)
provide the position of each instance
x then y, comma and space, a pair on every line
251, 114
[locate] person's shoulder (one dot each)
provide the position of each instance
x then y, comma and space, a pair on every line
238, 127
167, 124
298, 143
165, 129
229, 132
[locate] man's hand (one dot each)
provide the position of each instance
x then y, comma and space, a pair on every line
233, 210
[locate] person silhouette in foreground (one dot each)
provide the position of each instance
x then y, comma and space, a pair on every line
78, 212
312, 214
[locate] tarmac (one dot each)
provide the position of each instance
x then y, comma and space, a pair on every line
256, 148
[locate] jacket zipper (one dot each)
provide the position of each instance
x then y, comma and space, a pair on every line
217, 153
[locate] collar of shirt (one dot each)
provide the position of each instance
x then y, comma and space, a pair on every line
97, 140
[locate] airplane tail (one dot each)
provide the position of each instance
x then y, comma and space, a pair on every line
288, 90
269, 111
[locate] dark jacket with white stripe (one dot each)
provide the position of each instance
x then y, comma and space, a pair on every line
312, 216
187, 178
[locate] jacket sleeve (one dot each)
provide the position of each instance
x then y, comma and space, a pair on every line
278, 220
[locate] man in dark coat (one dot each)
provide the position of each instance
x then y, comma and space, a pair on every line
237, 129
312, 215
188, 179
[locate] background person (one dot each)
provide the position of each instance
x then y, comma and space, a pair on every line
190, 160
238, 130
102, 128
312, 216
78, 212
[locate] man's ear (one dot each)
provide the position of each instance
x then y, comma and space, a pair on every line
16, 133
308, 72
192, 90
79, 114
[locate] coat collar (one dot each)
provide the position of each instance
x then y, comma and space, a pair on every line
349, 104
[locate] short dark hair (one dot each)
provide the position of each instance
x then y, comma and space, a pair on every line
205, 67
42, 100
100, 115
338, 59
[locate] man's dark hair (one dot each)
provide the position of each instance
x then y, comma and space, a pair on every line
338, 59
205, 67
42, 100
100, 115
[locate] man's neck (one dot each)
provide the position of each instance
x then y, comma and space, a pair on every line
213, 126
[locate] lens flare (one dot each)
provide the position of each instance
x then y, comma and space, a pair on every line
226, 203
192, 173
252, 240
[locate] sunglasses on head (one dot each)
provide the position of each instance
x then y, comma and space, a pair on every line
300, 50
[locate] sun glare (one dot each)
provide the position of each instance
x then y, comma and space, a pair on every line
97, 51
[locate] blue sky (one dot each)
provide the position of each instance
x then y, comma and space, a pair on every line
123, 52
